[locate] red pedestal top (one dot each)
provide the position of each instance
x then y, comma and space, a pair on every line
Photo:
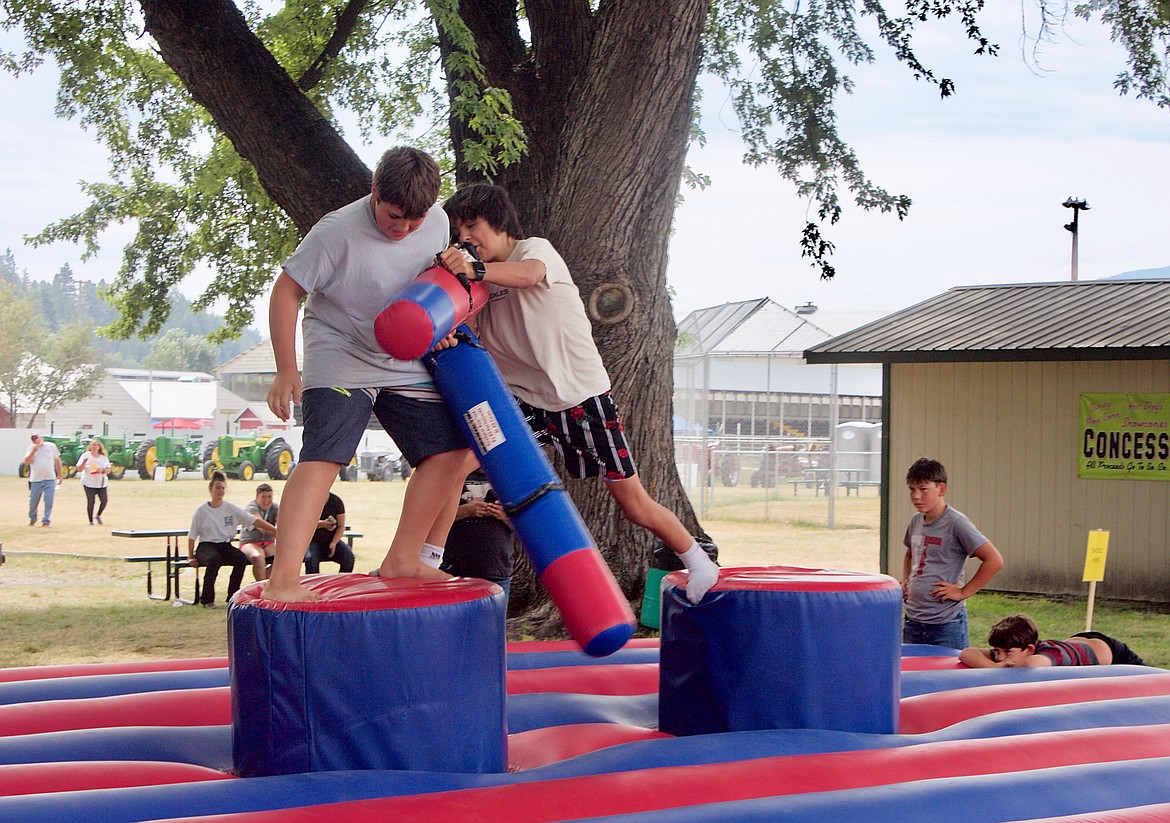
792, 579
360, 592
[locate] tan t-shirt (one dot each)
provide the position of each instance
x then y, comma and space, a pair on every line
541, 338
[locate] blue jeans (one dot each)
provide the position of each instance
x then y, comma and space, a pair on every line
953, 634
36, 490
318, 553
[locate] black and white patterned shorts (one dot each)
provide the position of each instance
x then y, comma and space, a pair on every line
589, 437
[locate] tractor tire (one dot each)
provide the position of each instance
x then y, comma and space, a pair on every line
404, 470
278, 458
70, 472
145, 459
208, 468
211, 454
246, 471
23, 470
171, 472
117, 472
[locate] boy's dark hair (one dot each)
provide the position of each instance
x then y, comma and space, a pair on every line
215, 478
1016, 631
263, 487
925, 470
407, 178
492, 203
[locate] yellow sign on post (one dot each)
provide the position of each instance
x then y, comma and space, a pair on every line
1095, 555
1095, 568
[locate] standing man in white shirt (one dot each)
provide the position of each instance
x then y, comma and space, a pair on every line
44, 476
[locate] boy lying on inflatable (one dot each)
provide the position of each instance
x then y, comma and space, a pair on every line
1015, 641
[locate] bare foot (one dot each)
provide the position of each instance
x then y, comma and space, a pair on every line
414, 568
294, 593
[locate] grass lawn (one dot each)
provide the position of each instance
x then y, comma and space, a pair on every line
68, 597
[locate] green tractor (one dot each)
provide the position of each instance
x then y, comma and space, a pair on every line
123, 455
120, 452
242, 457
173, 454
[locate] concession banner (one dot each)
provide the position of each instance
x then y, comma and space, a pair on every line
1125, 437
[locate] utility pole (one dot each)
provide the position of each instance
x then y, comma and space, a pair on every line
1077, 205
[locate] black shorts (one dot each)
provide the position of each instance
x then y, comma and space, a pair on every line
1123, 655
336, 418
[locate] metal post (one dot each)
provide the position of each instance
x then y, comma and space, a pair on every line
1077, 205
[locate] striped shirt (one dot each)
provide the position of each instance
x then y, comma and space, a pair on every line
1066, 653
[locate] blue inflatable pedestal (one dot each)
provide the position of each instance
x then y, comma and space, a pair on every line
377, 674
781, 648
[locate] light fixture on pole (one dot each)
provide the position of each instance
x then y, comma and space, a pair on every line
1077, 205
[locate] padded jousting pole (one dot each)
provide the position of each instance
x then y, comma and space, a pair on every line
561, 549
426, 311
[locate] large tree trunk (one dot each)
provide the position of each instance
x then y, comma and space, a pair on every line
607, 102
606, 98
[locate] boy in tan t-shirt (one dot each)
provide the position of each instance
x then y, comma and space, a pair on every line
537, 332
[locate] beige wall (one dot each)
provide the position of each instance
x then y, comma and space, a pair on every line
1008, 435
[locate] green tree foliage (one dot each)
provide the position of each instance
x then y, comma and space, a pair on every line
19, 331
39, 368
62, 368
67, 300
179, 179
179, 351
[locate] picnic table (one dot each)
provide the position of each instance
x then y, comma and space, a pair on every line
818, 479
175, 560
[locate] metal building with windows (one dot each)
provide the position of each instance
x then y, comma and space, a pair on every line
747, 406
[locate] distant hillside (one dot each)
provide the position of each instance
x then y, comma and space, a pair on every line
1143, 274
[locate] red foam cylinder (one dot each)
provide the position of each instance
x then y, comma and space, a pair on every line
596, 613
428, 310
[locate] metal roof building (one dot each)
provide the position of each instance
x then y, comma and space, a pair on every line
1098, 320
999, 383
743, 392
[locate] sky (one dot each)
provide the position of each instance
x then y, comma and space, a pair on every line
987, 170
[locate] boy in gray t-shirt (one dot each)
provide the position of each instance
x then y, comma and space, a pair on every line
350, 266
939, 541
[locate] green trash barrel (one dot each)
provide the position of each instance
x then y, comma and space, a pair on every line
651, 616
663, 561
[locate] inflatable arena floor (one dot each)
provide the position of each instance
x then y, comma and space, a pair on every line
582, 741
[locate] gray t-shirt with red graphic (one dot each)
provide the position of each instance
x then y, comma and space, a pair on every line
938, 551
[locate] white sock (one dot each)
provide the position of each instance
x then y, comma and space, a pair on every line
702, 572
431, 555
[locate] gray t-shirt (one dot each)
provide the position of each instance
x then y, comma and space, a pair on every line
217, 525
352, 271
250, 535
937, 553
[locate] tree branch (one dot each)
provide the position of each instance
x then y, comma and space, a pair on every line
304, 164
346, 22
